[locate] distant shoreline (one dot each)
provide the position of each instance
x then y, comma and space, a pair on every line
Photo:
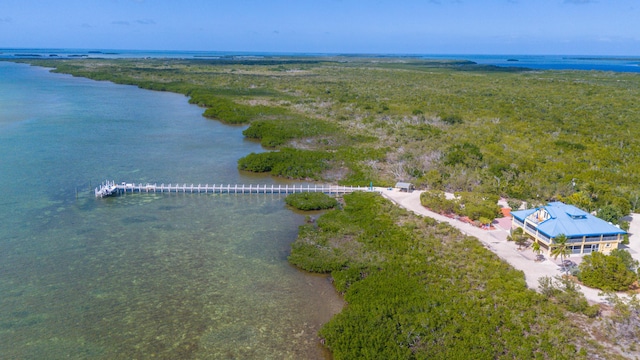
623, 63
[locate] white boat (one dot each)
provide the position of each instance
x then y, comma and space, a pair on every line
108, 188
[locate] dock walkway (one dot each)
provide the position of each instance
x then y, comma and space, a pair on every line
123, 188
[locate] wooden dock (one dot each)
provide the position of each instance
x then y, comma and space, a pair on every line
125, 188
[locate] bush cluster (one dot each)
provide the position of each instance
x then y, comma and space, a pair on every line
311, 201
421, 290
613, 272
566, 292
231, 112
273, 133
290, 163
475, 206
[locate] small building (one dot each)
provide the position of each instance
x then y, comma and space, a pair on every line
403, 186
585, 233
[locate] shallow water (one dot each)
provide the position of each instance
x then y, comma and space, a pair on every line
171, 276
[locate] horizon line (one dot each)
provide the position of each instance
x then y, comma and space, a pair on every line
321, 53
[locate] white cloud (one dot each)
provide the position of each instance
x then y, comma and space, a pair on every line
121, 22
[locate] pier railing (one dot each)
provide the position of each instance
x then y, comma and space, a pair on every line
124, 188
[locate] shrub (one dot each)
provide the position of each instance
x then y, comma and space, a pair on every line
514, 204
566, 292
231, 112
606, 272
277, 132
464, 154
414, 290
290, 163
477, 205
629, 262
437, 201
452, 119
311, 201
311, 252
610, 213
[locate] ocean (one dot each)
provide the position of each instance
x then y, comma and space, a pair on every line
539, 62
170, 276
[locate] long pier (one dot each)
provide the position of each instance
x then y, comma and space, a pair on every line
110, 188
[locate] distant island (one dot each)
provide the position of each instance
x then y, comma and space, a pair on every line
604, 58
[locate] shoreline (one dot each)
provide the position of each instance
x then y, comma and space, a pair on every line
558, 62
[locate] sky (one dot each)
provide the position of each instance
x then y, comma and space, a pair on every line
545, 27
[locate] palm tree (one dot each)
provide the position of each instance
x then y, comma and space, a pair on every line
518, 236
561, 248
536, 248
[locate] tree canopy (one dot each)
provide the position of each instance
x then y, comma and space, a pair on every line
418, 289
606, 272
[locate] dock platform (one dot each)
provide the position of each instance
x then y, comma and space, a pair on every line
124, 188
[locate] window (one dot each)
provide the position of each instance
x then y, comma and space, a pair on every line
591, 248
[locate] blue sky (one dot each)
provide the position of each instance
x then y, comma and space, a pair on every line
585, 27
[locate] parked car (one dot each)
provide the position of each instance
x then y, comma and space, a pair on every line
568, 263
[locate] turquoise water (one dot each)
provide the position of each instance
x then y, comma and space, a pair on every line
543, 62
177, 276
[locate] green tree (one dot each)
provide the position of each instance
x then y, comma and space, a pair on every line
622, 204
606, 272
610, 213
536, 247
560, 249
437, 201
629, 262
465, 153
519, 237
477, 205
514, 204
579, 199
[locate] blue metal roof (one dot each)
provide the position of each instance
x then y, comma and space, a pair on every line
522, 214
570, 221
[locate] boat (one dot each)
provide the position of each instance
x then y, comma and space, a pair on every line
108, 188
